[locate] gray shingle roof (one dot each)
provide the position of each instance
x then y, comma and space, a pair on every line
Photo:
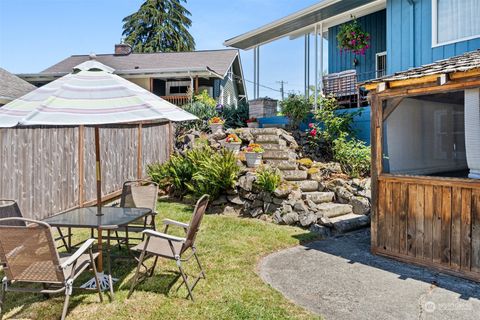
216, 60
461, 63
12, 87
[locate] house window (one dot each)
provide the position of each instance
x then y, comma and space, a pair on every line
381, 63
454, 20
177, 88
230, 74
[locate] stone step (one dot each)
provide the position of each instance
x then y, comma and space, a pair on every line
279, 155
319, 197
350, 222
272, 146
265, 131
307, 185
294, 175
282, 164
331, 210
267, 139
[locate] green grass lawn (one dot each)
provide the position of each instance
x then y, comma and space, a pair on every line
229, 248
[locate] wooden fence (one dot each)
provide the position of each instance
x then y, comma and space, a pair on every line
51, 169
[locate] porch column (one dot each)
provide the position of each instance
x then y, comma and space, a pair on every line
256, 72
196, 84
316, 67
320, 85
307, 64
472, 131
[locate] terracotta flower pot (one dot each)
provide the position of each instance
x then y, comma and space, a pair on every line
214, 127
254, 159
233, 146
252, 124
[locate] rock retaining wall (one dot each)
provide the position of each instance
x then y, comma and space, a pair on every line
312, 194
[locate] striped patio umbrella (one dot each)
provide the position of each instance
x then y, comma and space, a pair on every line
90, 95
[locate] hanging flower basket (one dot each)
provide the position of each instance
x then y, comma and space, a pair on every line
352, 38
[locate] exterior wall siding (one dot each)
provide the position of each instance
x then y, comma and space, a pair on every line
229, 88
409, 41
375, 24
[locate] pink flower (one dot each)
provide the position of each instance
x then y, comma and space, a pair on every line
310, 125
313, 133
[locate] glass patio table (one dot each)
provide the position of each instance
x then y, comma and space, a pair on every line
100, 218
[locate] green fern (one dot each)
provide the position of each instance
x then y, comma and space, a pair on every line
268, 179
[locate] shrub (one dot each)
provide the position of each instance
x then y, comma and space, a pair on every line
203, 111
332, 125
296, 108
214, 173
353, 155
174, 174
268, 179
236, 116
197, 172
205, 99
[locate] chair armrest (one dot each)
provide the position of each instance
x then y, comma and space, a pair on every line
165, 236
74, 257
175, 223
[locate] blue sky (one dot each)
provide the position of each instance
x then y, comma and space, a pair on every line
35, 34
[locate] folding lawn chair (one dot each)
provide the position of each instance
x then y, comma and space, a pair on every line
170, 247
30, 258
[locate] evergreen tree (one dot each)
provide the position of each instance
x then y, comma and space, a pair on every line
159, 26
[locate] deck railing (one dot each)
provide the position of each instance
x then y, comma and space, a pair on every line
177, 100
344, 86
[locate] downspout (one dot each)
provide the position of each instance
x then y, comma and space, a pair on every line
412, 33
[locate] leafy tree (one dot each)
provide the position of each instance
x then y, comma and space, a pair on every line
159, 26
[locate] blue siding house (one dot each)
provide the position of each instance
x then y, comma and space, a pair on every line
410, 32
404, 34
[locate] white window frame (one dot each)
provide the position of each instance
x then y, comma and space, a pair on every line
380, 54
435, 42
170, 84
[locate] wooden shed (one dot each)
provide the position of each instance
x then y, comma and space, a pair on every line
426, 165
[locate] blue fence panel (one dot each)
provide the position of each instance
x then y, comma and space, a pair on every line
361, 122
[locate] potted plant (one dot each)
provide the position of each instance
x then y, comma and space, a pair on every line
252, 123
253, 155
352, 38
233, 143
216, 123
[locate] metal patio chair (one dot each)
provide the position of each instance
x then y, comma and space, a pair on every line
137, 194
170, 247
10, 209
31, 257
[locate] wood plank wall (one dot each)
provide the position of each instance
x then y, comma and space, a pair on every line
429, 222
42, 167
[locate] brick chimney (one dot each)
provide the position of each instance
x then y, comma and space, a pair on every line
123, 49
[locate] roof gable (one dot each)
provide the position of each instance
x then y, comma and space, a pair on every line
12, 87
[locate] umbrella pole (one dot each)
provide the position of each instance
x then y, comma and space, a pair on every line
99, 196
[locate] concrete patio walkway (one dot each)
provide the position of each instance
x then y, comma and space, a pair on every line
339, 278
